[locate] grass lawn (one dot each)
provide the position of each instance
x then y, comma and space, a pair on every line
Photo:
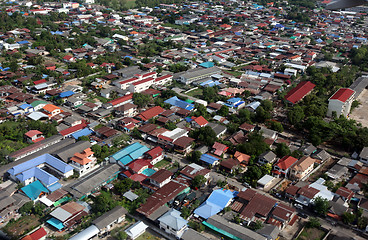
311, 234
22, 225
195, 93
162, 164
147, 235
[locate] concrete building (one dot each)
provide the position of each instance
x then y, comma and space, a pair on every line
341, 102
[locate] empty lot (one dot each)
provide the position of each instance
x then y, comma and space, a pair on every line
360, 114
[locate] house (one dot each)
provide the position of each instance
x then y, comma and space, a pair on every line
35, 169
154, 155
67, 216
39, 234
209, 159
258, 208
283, 165
267, 158
136, 230
299, 92
199, 122
160, 178
242, 158
341, 102
281, 215
192, 170
216, 202
265, 182
83, 162
219, 149
150, 113
183, 144
302, 168
176, 102
69, 58
308, 149
173, 223
51, 110
229, 165
306, 194
126, 110
128, 154
246, 127
34, 136
108, 220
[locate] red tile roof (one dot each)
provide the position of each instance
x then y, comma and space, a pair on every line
201, 121
219, 148
260, 204
32, 133
299, 92
154, 152
36, 235
308, 191
150, 113
286, 162
73, 129
121, 99
342, 94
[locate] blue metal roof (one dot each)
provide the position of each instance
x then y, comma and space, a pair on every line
83, 132
209, 158
54, 186
45, 158
207, 64
24, 106
127, 150
217, 201
43, 176
66, 94
175, 101
139, 152
55, 223
234, 100
34, 190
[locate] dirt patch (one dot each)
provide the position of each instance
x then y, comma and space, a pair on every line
311, 234
72, 83
360, 114
22, 226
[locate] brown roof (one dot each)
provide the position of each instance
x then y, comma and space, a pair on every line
125, 107
344, 192
161, 175
229, 163
162, 196
191, 172
259, 204
246, 127
282, 211
247, 194
308, 191
147, 128
183, 141
167, 113
292, 190
106, 131
215, 106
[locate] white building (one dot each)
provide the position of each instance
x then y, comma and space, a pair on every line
83, 162
173, 223
136, 230
341, 102
141, 85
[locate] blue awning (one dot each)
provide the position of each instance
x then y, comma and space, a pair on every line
55, 223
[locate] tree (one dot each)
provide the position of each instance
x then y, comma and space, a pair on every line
83, 138
313, 223
282, 150
185, 212
103, 202
141, 99
321, 205
224, 111
194, 156
26, 208
262, 115
255, 145
136, 133
205, 134
121, 235
277, 126
256, 225
362, 222
198, 181
295, 115
123, 185
348, 218
170, 126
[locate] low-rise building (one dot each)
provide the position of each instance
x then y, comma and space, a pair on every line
341, 102
173, 223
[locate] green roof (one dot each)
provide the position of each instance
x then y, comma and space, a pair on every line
38, 102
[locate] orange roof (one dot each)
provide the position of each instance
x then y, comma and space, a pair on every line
82, 158
50, 108
242, 157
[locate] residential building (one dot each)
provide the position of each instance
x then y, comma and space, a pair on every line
160, 178
108, 220
267, 157
136, 230
34, 136
67, 216
341, 102
283, 165
302, 168
83, 162
173, 223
